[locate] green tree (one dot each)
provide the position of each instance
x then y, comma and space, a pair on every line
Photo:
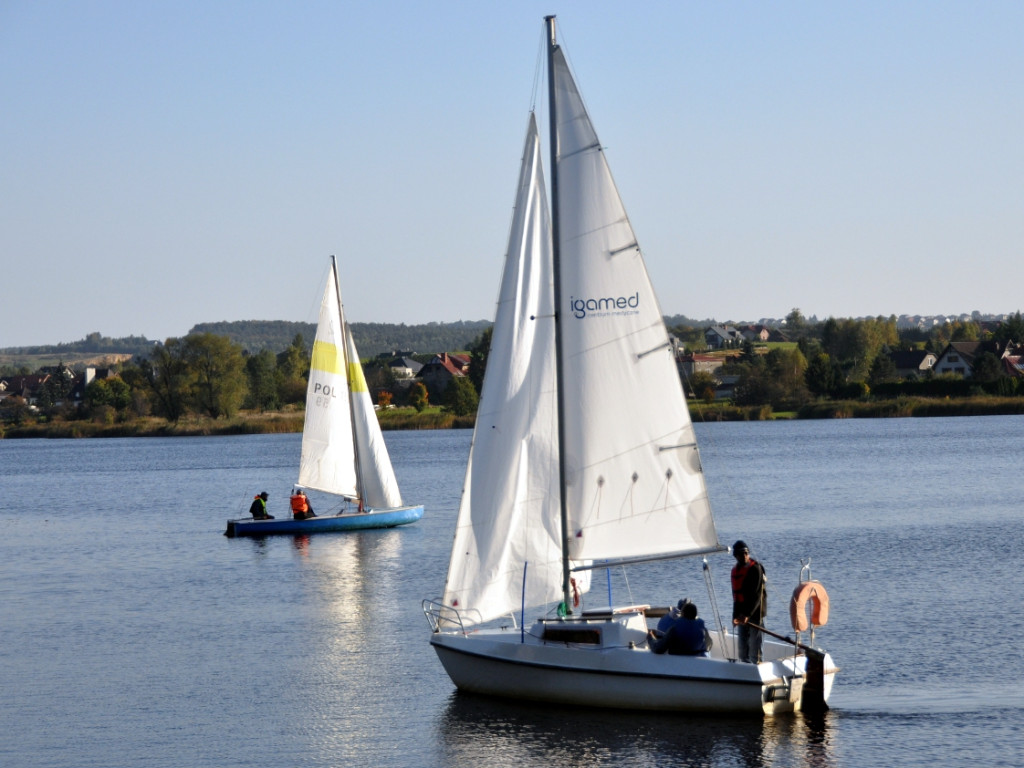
788, 387
754, 384
986, 368
460, 396
418, 397
883, 369
57, 388
219, 383
170, 379
14, 410
261, 372
702, 385
478, 350
796, 324
1012, 329
820, 375
293, 371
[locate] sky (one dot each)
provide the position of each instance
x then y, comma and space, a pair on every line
164, 164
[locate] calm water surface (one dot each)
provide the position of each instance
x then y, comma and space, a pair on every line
133, 633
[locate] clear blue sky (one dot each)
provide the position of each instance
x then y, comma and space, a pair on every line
169, 163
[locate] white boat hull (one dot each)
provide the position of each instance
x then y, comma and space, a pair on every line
620, 672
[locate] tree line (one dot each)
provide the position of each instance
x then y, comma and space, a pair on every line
211, 375
852, 359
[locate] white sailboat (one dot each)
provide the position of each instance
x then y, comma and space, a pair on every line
584, 456
343, 450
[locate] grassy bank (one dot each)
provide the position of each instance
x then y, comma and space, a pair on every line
435, 418
246, 423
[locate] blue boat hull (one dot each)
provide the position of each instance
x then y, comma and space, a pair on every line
372, 518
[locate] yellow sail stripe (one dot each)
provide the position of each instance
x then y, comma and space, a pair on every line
327, 357
356, 380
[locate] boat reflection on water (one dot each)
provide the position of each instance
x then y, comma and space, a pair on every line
484, 730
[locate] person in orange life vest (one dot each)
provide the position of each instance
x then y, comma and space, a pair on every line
258, 510
301, 508
749, 602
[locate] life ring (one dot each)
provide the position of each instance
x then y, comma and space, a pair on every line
815, 592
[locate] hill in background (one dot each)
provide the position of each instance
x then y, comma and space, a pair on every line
372, 339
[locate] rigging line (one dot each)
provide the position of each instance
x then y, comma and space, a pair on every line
629, 589
538, 69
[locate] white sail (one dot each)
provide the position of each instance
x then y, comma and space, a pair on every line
635, 487
587, 425
509, 514
327, 462
377, 482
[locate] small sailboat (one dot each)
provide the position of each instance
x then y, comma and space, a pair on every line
584, 456
343, 450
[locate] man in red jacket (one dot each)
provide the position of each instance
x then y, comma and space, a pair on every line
749, 602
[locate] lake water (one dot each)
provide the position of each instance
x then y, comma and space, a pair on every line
133, 633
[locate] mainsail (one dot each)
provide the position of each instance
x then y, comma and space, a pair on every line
635, 487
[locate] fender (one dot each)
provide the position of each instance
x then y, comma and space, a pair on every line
815, 592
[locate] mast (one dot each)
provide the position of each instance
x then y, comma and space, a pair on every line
556, 253
348, 385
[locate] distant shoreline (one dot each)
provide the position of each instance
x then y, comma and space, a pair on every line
434, 418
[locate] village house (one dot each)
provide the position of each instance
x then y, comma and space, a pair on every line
25, 387
756, 332
958, 357
697, 363
913, 363
441, 369
404, 367
722, 337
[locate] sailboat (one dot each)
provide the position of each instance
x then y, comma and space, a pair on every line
584, 457
343, 450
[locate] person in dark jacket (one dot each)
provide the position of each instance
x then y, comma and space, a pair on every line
749, 602
686, 636
258, 510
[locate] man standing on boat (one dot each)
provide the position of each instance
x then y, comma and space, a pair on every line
749, 602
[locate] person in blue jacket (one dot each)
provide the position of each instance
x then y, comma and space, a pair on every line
686, 636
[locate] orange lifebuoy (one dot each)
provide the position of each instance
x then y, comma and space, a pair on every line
815, 592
